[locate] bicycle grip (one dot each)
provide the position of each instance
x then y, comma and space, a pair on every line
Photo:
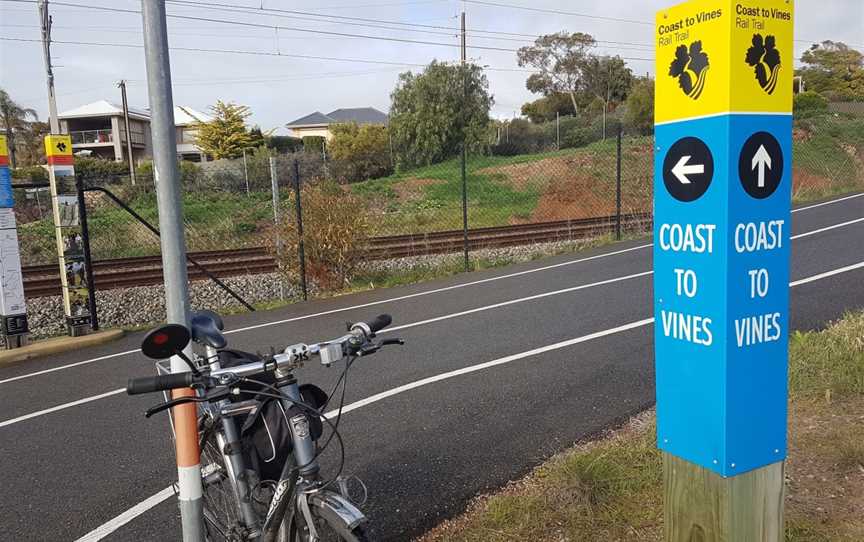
379, 322
150, 384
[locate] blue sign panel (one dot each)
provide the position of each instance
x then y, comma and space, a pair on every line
5, 188
721, 262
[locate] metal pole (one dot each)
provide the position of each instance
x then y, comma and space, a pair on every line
246, 172
122, 85
88, 259
170, 205
558, 129
618, 187
464, 150
274, 190
301, 249
46, 21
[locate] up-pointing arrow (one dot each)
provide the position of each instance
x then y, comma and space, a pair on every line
761, 160
682, 169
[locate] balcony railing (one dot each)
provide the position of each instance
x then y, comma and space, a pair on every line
92, 137
87, 137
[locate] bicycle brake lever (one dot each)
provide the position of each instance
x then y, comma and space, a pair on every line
388, 342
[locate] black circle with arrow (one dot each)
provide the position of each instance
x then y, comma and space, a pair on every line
688, 169
760, 165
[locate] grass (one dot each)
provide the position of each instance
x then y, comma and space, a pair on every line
611, 489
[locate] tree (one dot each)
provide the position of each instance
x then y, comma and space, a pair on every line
559, 59
547, 108
639, 107
14, 119
359, 152
432, 111
225, 136
608, 79
834, 70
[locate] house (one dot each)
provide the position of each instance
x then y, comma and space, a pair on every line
99, 128
317, 124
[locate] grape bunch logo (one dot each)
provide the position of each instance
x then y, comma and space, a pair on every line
765, 59
690, 67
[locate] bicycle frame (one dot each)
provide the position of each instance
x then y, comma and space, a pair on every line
298, 475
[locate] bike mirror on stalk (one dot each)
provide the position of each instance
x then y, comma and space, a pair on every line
166, 341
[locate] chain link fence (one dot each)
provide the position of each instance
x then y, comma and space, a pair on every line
530, 183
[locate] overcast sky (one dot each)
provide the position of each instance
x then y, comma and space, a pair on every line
281, 88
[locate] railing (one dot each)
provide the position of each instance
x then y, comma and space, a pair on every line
86, 137
89, 137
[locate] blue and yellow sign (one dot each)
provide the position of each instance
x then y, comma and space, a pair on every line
723, 176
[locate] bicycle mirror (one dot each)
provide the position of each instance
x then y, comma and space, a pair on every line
166, 341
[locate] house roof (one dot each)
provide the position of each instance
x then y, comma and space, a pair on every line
360, 115
103, 108
183, 115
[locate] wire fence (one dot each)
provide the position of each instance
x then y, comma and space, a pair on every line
559, 173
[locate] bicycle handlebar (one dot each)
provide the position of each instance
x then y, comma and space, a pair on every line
150, 384
360, 330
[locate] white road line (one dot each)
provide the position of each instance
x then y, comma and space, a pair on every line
114, 524
61, 407
400, 298
429, 292
832, 202
104, 530
828, 228
68, 366
471, 311
396, 328
353, 307
827, 274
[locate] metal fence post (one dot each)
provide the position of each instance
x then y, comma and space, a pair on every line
618, 185
274, 190
88, 260
464, 149
301, 249
245, 172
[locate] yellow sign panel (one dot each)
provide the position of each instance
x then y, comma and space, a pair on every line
723, 56
58, 145
4, 151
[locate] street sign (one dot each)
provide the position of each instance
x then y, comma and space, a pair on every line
68, 234
721, 229
13, 306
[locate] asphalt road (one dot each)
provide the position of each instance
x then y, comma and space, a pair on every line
425, 451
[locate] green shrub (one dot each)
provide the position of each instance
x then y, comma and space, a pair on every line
30, 174
809, 104
100, 169
313, 144
359, 152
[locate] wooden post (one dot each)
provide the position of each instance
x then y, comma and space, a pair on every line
701, 505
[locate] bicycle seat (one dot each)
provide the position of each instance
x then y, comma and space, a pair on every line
207, 329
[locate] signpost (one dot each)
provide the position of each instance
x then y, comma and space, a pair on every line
13, 309
721, 260
70, 240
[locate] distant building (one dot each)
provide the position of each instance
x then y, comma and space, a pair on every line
99, 127
318, 124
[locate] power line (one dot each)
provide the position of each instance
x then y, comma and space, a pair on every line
556, 12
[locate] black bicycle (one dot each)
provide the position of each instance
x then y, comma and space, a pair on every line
260, 432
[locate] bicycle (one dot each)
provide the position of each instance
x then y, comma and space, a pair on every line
240, 502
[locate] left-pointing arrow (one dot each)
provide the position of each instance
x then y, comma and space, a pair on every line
682, 169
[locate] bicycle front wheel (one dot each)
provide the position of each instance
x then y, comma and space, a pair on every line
327, 527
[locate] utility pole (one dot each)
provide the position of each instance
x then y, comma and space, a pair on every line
464, 146
45, 22
170, 206
122, 85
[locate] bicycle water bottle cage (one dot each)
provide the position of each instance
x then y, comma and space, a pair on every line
207, 329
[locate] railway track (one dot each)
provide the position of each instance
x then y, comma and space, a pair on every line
44, 280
